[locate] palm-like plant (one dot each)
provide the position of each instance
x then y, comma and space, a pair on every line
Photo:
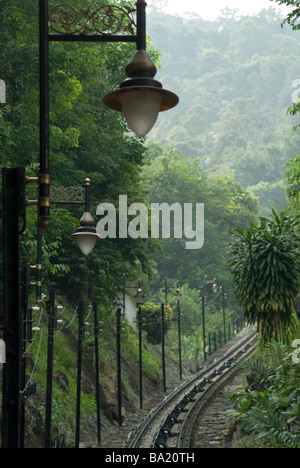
269, 409
266, 270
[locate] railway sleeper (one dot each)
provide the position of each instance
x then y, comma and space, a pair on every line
186, 400
195, 391
180, 409
159, 444
231, 361
198, 389
205, 382
164, 433
214, 374
162, 438
225, 366
171, 419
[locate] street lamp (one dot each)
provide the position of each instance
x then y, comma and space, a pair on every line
86, 235
141, 97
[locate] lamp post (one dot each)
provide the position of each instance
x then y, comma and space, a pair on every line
140, 300
163, 346
203, 305
203, 327
140, 97
79, 370
215, 289
96, 332
119, 381
224, 313
178, 297
86, 235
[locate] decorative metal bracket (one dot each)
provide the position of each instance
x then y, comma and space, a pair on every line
67, 195
104, 20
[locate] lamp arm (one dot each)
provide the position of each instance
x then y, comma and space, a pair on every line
87, 194
141, 23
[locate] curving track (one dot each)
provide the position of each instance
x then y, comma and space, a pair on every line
171, 423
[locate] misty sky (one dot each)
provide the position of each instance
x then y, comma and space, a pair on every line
210, 9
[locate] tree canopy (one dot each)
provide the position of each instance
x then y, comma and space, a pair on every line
236, 77
222, 146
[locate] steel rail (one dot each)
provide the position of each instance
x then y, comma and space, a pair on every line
203, 399
182, 401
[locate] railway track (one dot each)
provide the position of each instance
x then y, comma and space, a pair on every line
171, 423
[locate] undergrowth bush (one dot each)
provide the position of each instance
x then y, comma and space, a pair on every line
269, 408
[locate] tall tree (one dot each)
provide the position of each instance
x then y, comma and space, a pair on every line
266, 271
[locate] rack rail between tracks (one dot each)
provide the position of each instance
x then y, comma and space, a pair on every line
170, 424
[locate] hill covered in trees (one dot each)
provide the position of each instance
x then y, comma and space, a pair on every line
236, 78
227, 142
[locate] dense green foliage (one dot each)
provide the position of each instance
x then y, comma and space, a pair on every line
86, 140
269, 408
227, 143
151, 316
170, 177
236, 77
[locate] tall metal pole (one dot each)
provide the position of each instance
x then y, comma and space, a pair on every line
119, 381
97, 331
224, 313
140, 356
166, 290
163, 345
51, 326
44, 171
179, 338
39, 264
26, 326
203, 327
87, 197
14, 208
124, 294
79, 368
